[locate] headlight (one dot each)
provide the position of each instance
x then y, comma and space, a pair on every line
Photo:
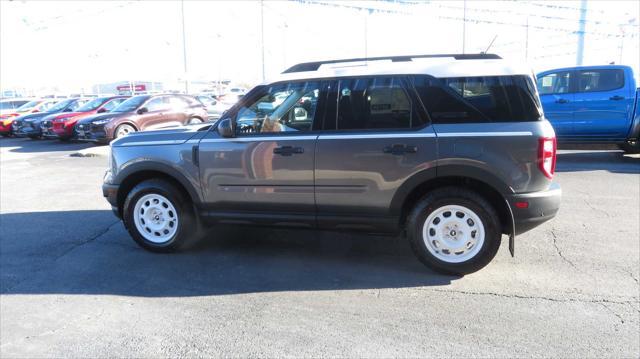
101, 122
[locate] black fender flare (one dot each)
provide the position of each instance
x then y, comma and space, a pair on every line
189, 185
432, 173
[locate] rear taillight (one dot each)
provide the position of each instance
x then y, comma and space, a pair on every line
547, 155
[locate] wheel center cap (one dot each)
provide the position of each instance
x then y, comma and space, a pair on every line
452, 233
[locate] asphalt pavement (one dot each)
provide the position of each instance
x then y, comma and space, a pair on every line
73, 284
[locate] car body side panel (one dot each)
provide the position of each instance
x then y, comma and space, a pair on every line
508, 151
244, 173
355, 178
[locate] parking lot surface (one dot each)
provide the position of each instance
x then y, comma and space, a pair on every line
74, 284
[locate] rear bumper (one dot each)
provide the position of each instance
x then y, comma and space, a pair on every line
542, 206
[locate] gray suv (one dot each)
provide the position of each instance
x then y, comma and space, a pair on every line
451, 150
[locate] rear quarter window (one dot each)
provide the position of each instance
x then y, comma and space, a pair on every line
479, 99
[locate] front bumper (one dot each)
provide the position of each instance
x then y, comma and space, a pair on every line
5, 129
91, 133
541, 207
27, 131
47, 131
110, 192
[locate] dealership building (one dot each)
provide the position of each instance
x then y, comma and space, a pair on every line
128, 87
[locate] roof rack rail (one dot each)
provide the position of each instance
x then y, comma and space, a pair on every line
313, 66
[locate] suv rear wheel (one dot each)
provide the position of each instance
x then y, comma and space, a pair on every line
159, 217
453, 230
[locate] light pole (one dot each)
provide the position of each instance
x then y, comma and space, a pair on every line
262, 35
184, 50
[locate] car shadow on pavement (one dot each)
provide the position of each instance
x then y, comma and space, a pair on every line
27, 145
612, 161
90, 252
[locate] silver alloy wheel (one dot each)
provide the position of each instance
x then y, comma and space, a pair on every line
156, 218
453, 234
195, 121
123, 130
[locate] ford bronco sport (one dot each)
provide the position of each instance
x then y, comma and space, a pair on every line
452, 150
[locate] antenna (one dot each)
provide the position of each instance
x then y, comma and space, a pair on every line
488, 47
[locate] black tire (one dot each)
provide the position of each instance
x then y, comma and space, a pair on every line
460, 197
187, 230
35, 137
631, 147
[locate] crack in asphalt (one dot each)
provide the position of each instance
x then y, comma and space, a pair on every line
596, 209
555, 244
88, 240
533, 297
612, 312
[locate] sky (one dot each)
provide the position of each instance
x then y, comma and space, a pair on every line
71, 45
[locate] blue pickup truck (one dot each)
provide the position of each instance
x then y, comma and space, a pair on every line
592, 104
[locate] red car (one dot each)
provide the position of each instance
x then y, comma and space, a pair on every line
61, 125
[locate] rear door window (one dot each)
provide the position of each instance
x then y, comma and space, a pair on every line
371, 103
479, 99
600, 80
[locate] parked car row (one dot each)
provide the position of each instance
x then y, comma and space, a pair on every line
100, 119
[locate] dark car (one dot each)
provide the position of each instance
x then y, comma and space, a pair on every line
61, 125
451, 150
29, 125
141, 113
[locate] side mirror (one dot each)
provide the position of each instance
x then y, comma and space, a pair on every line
142, 110
101, 110
225, 129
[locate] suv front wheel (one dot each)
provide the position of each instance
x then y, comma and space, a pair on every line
453, 230
159, 217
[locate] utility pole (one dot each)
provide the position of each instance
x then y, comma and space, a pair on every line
464, 24
184, 50
262, 35
526, 41
581, 27
366, 33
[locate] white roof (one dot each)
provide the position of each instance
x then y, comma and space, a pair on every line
436, 67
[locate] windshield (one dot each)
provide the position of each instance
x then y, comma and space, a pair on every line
60, 105
27, 106
93, 104
131, 104
8, 105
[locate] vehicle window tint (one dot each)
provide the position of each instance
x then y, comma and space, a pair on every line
557, 82
280, 108
177, 103
113, 104
157, 104
600, 80
479, 99
374, 103
76, 105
